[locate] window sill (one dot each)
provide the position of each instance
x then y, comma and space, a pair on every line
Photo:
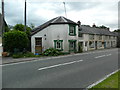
72, 34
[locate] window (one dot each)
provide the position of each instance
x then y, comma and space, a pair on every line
72, 30
72, 45
91, 37
91, 44
100, 44
38, 41
80, 34
100, 37
58, 44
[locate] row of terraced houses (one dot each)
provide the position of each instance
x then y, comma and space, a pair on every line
68, 36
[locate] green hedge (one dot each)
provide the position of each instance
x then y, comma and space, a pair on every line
23, 55
15, 41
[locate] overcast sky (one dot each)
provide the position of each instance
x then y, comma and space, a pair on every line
88, 12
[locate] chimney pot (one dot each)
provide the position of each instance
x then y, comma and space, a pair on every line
79, 23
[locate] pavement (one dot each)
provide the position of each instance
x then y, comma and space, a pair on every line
8, 60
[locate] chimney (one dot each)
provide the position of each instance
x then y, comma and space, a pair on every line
79, 23
108, 29
94, 25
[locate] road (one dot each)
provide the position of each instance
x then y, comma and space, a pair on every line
76, 71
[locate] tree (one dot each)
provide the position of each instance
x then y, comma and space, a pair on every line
15, 40
103, 27
20, 27
7, 29
32, 26
118, 30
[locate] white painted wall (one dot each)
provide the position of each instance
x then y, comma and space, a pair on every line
45, 43
54, 32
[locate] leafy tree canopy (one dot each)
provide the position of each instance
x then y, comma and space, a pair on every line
32, 26
21, 27
104, 27
118, 30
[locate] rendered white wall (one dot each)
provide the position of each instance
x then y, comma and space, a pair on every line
54, 32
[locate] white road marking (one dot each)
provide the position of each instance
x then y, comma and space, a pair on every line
109, 55
100, 56
103, 56
92, 85
59, 65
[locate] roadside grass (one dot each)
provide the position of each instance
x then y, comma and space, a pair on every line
112, 82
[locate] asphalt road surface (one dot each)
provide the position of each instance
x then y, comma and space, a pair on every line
75, 71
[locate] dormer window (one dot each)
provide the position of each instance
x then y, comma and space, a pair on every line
72, 30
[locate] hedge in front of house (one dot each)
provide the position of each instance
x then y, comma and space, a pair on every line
24, 55
15, 40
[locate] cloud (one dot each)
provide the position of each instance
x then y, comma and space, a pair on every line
102, 14
81, 5
89, 12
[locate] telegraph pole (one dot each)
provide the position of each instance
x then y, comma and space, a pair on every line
25, 17
65, 9
3, 17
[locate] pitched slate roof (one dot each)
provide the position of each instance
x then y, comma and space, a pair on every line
83, 29
57, 20
93, 30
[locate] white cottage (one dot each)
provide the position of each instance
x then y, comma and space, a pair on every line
60, 33
68, 36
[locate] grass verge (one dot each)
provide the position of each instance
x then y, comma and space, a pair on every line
112, 81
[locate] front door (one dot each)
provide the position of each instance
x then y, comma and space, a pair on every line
80, 46
104, 44
95, 44
72, 46
38, 45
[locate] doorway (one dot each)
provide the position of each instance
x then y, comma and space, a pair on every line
96, 45
80, 46
72, 45
38, 45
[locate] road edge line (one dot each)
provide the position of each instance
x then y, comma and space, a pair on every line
99, 81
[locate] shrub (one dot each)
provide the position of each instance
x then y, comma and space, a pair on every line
52, 52
18, 55
23, 55
29, 54
65, 53
15, 41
